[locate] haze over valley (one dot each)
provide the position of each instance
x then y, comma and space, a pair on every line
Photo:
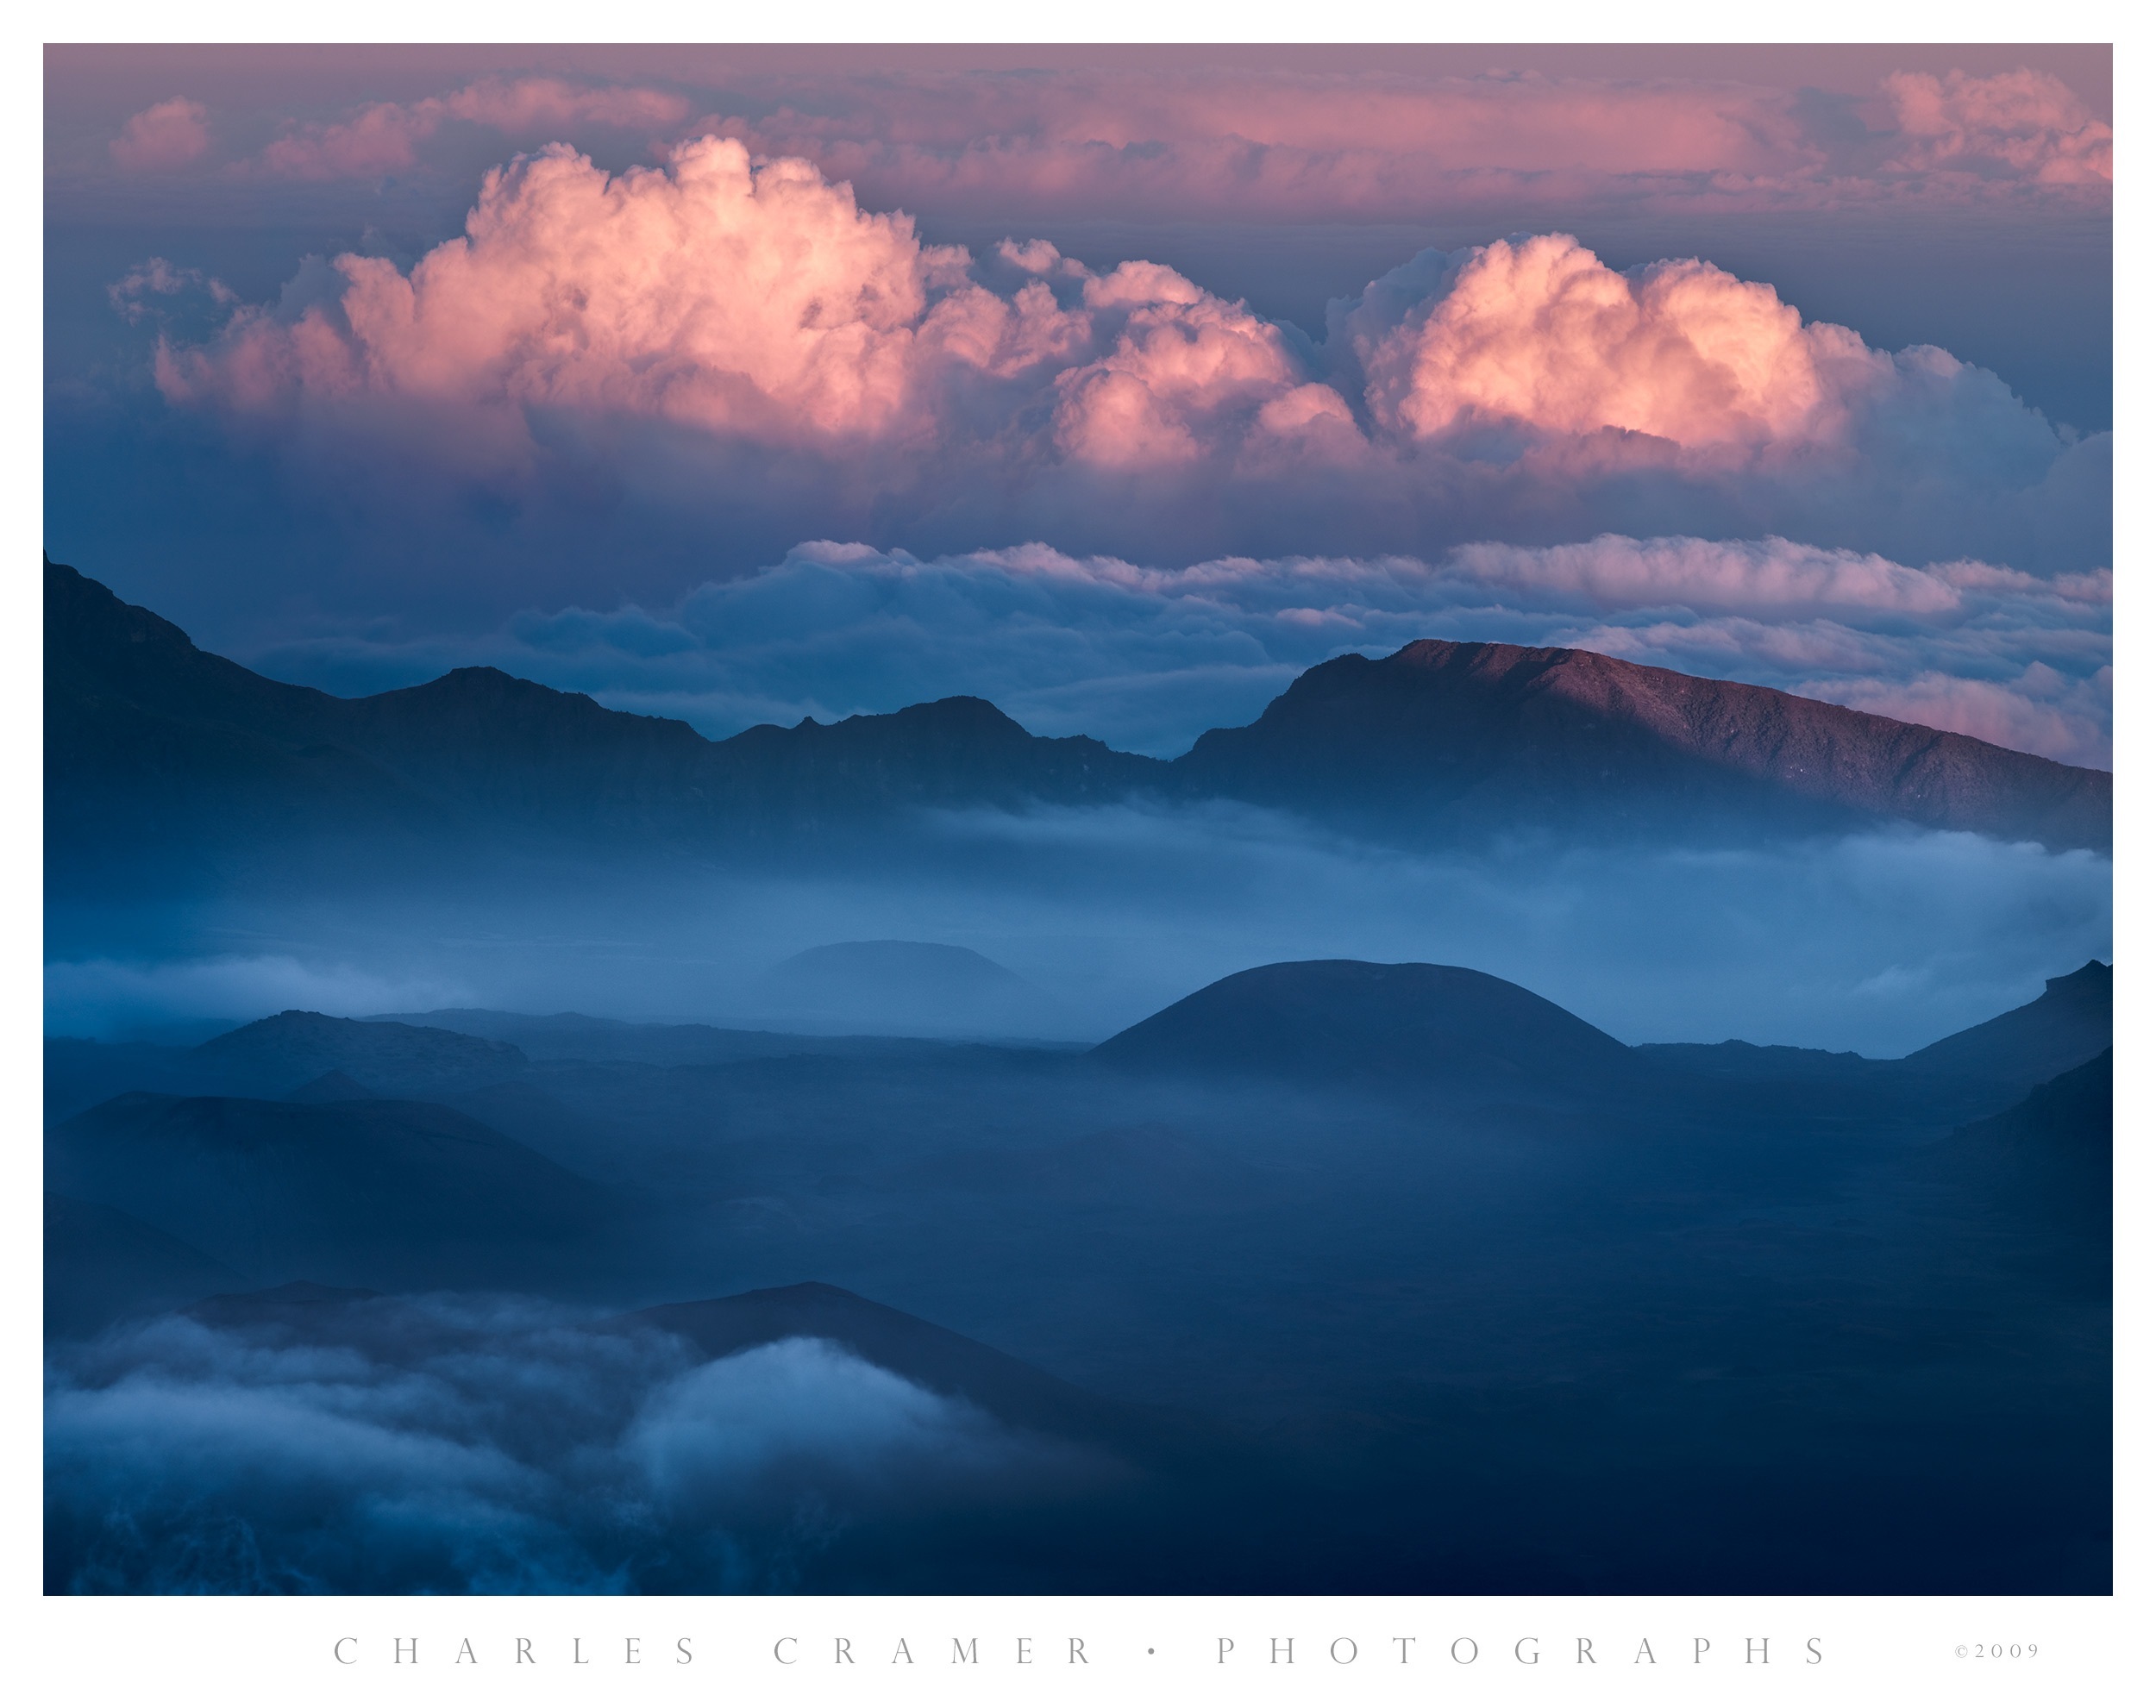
1099, 820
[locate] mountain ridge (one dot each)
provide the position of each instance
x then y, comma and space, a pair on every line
1440, 738
1486, 729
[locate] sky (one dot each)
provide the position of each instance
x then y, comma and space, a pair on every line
1116, 385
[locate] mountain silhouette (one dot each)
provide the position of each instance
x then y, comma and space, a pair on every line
298, 1048
1440, 740
2063, 1028
2068, 1118
144, 727
929, 1356
371, 1193
1445, 731
1330, 1021
2045, 1164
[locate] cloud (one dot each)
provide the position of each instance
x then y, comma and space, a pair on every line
1247, 143
1540, 333
1146, 658
803, 1411
162, 138
130, 295
708, 294
717, 330
2042, 711
1120, 911
386, 136
1313, 145
2021, 126
488, 1446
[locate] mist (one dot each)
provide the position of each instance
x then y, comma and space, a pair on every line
1876, 942
491, 1445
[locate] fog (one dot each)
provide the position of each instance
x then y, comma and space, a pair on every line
492, 1446
1877, 942
1454, 1328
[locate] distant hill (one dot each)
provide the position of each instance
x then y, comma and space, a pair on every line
1470, 733
375, 1056
2044, 1168
162, 756
1733, 1059
143, 728
581, 1037
2067, 1026
2068, 1118
377, 1193
1341, 1021
929, 1356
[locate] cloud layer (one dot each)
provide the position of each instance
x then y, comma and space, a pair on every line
1146, 658
1315, 145
388, 136
1876, 942
676, 332
1275, 143
488, 1446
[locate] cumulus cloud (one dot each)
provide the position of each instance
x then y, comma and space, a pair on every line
490, 1446
751, 308
709, 294
1540, 333
386, 136
170, 134
1145, 658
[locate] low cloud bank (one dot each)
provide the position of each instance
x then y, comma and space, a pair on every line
1880, 943
488, 1446
1145, 658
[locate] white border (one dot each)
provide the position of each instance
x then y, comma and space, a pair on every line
1898, 1650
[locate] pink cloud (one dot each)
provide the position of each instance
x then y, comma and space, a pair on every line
732, 297
161, 138
1274, 142
707, 293
758, 305
2040, 711
387, 136
1540, 333
522, 105
381, 138
2021, 124
1183, 365
1286, 144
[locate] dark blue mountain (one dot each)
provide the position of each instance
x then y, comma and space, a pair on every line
1346, 1020
157, 751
